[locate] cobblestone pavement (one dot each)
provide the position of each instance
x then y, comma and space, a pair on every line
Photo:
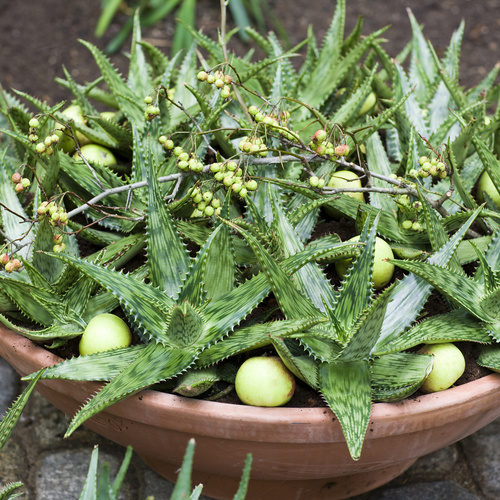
53, 468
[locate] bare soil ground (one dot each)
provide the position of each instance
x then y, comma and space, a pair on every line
38, 38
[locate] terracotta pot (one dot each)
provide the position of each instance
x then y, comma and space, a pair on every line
297, 453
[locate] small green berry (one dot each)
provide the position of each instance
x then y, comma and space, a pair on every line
209, 211
34, 123
148, 99
40, 148
251, 185
25, 182
406, 224
314, 181
202, 76
253, 110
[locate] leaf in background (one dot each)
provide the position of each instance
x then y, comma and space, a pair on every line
129, 103
168, 259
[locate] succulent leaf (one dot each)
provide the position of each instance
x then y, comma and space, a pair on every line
154, 364
346, 388
396, 376
98, 366
454, 326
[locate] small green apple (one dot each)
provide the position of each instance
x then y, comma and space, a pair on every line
447, 367
264, 381
96, 153
382, 270
104, 332
485, 185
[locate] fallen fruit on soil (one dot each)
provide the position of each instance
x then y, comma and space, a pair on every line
382, 270
448, 366
264, 381
103, 333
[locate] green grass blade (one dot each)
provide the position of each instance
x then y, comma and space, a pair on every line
89, 490
182, 487
107, 15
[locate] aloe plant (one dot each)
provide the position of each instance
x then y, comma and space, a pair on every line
222, 177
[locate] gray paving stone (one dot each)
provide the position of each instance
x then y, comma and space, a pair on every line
8, 387
482, 450
61, 475
437, 490
435, 464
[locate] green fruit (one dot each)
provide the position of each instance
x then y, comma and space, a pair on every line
447, 367
264, 381
95, 153
370, 101
66, 143
346, 179
382, 270
104, 332
485, 185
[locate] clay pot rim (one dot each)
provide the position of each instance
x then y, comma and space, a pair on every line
470, 394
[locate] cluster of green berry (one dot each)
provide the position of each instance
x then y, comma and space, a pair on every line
152, 110
317, 182
9, 264
253, 146
277, 123
231, 176
46, 145
59, 245
323, 147
430, 167
187, 162
20, 183
57, 215
168, 144
205, 202
410, 214
218, 80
